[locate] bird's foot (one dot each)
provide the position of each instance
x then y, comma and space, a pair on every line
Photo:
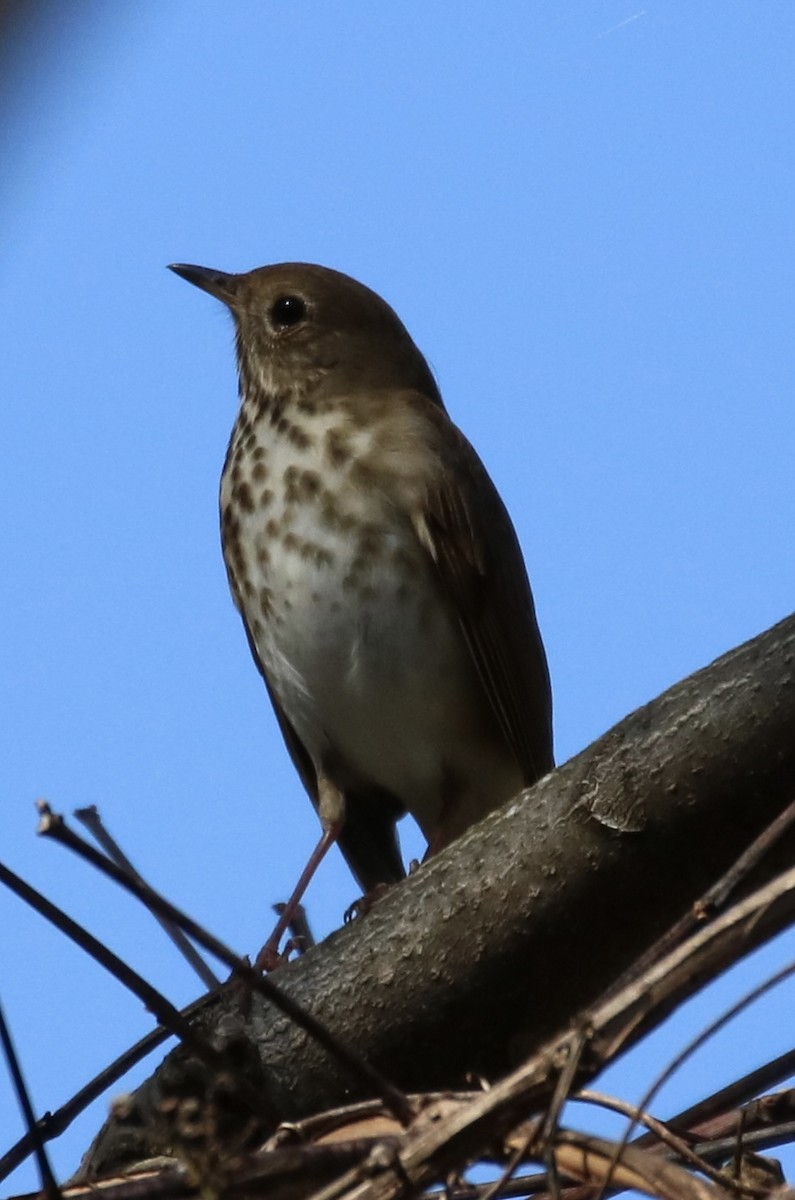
270, 958
362, 906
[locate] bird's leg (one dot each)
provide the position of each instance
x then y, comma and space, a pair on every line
331, 809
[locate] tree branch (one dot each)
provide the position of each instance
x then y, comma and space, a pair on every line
498, 942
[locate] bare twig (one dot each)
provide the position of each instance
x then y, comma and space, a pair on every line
697, 1042
560, 1095
52, 1125
53, 825
719, 893
90, 817
497, 1187
48, 1183
720, 1105
659, 1129
593, 1160
155, 1001
761, 1132
616, 1021
715, 897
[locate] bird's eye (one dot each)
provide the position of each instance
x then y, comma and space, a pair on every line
287, 311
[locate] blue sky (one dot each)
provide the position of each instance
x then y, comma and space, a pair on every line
584, 215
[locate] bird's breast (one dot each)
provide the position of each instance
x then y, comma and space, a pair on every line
324, 565
342, 602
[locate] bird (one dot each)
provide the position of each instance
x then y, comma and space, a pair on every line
377, 572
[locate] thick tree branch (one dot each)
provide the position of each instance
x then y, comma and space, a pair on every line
502, 939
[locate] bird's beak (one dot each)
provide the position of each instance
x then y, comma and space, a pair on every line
218, 283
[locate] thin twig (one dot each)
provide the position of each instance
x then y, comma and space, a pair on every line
698, 1041
48, 1183
727, 1099
658, 1129
52, 1125
596, 1160
90, 817
155, 1001
53, 825
560, 1095
767, 1138
497, 1187
719, 893
617, 1020
714, 898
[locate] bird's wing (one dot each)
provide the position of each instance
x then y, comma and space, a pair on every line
465, 527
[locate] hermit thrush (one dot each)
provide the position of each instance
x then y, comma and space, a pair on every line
376, 570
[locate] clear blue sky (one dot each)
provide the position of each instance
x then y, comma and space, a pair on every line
584, 214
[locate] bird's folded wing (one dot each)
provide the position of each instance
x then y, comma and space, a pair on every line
465, 527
